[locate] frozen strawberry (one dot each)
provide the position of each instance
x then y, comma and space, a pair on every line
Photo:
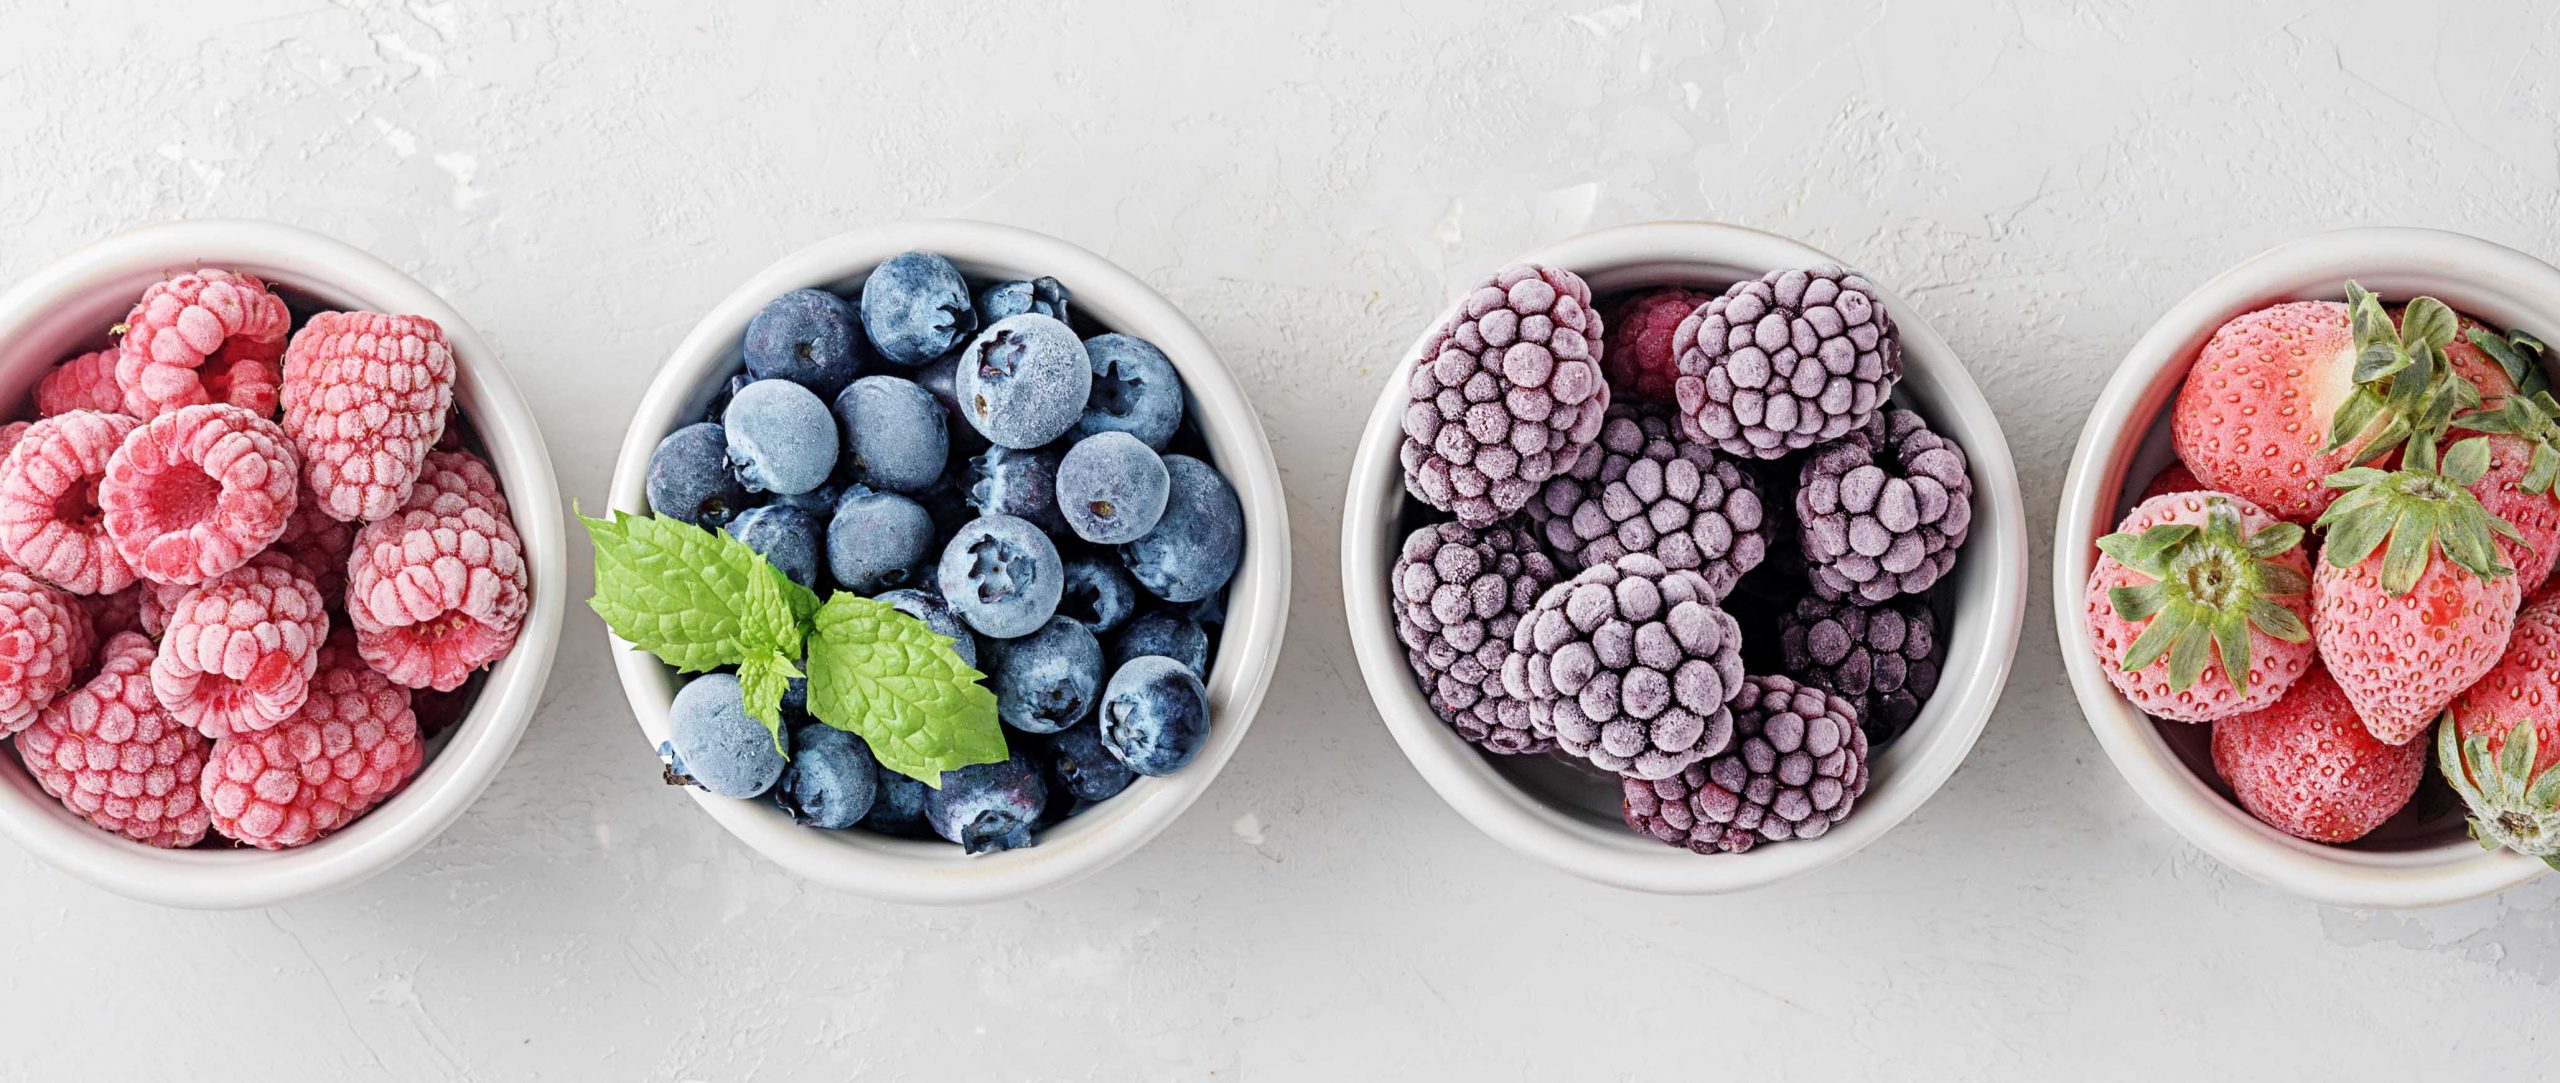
197, 491
2307, 766
2175, 479
365, 398
50, 521
2197, 606
207, 337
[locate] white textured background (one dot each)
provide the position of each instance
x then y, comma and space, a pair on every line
1309, 180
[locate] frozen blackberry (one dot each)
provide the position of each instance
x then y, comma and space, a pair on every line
1883, 660
1644, 487
1459, 595
1786, 361
1629, 665
1884, 512
1506, 393
1797, 765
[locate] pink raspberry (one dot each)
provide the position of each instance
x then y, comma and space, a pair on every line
50, 522
112, 755
10, 434
211, 336
86, 382
1637, 356
365, 397
354, 744
240, 650
44, 638
156, 600
452, 480
321, 545
435, 595
198, 491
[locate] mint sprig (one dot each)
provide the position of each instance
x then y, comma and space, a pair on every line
696, 599
897, 684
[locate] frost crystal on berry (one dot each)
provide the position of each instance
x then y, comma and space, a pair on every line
86, 382
1884, 512
434, 596
1630, 665
50, 521
208, 337
110, 754
1506, 393
354, 744
42, 636
196, 492
1786, 361
1646, 488
1459, 595
365, 398
239, 651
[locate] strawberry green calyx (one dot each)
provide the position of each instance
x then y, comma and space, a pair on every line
2421, 509
2404, 385
2518, 353
2510, 805
2533, 418
2211, 589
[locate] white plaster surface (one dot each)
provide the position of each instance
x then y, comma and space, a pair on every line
1309, 180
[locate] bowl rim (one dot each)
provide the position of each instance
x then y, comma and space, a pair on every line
1466, 779
2477, 276
933, 872
330, 270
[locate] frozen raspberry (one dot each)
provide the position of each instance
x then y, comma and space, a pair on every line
354, 743
1459, 594
113, 614
1639, 361
197, 491
1883, 660
1883, 513
86, 382
365, 397
50, 523
1507, 392
1797, 765
212, 336
10, 434
451, 480
434, 596
155, 601
109, 752
1644, 487
43, 636
1630, 666
321, 545
1786, 361
239, 651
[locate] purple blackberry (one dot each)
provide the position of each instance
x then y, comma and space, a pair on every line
1507, 392
1646, 488
1786, 361
1883, 512
1629, 665
1797, 765
1460, 593
1883, 660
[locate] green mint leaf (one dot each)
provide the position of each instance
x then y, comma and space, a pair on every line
763, 679
696, 599
897, 684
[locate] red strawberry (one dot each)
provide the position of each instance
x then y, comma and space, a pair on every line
2307, 766
2190, 576
2175, 479
2500, 739
2524, 453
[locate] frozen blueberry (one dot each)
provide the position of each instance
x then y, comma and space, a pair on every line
819, 502
690, 479
1024, 381
1195, 547
720, 401
1134, 391
937, 615
1112, 488
941, 380
786, 536
1045, 681
1098, 593
832, 779
1003, 481
877, 541
781, 437
894, 437
807, 337
1085, 769
988, 806
1003, 300
1155, 715
720, 748
1003, 576
1170, 634
897, 807
916, 308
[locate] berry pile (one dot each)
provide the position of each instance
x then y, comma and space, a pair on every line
1650, 496
230, 553
1023, 486
2326, 589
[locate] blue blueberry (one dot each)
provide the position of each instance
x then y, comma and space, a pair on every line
1024, 381
1169, 634
1155, 715
988, 806
937, 615
941, 379
808, 337
832, 779
1003, 300
897, 807
1024, 484
720, 401
1196, 546
786, 536
1112, 488
894, 435
721, 749
690, 479
1098, 593
877, 541
916, 308
1045, 681
1003, 576
819, 502
1085, 769
781, 437
1135, 391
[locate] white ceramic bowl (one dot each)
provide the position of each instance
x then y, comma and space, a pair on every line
932, 871
2421, 858
1567, 815
67, 307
